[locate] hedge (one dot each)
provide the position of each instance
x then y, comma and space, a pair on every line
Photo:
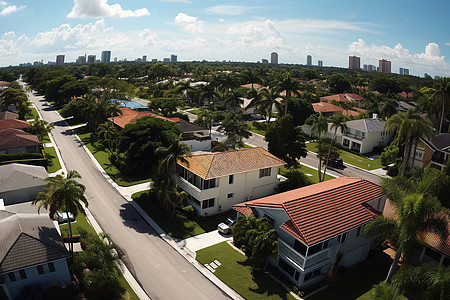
20, 156
32, 161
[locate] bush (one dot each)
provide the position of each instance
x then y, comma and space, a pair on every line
189, 211
260, 125
19, 156
295, 179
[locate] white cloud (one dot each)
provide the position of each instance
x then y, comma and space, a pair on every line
100, 9
6, 9
10, 45
228, 9
429, 59
177, 1
189, 23
447, 44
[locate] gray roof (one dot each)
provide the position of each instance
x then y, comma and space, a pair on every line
7, 115
441, 141
367, 125
28, 240
19, 176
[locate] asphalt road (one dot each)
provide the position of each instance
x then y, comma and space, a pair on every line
162, 272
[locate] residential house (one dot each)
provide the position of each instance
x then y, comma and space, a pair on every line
32, 255
435, 248
7, 115
195, 136
435, 151
319, 226
216, 181
328, 110
348, 97
17, 141
13, 123
21, 183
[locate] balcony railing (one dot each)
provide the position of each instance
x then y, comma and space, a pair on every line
291, 253
316, 258
438, 159
354, 136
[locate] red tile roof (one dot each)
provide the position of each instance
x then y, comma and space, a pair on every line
13, 123
350, 113
256, 86
432, 239
130, 116
405, 94
14, 138
321, 211
218, 164
325, 107
348, 97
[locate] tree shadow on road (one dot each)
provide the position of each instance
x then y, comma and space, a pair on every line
132, 219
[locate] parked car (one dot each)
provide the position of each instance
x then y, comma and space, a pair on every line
225, 227
336, 162
63, 217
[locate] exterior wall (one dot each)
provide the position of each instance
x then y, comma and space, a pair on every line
22, 195
246, 186
61, 275
368, 143
31, 149
198, 145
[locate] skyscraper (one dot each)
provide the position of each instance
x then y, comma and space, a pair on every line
354, 62
60, 59
384, 66
403, 71
91, 59
173, 58
274, 58
309, 60
264, 61
106, 56
320, 63
81, 59
144, 58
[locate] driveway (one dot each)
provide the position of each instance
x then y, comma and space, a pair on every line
205, 240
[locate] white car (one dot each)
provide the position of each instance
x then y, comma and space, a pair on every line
63, 217
225, 227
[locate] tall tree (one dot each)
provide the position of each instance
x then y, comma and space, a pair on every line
442, 94
289, 85
285, 141
63, 194
251, 75
40, 128
234, 126
108, 133
338, 122
266, 99
416, 214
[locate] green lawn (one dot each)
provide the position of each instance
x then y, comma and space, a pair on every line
46, 139
179, 227
358, 160
81, 222
32, 114
52, 158
307, 171
357, 283
235, 272
129, 294
100, 153
196, 111
252, 128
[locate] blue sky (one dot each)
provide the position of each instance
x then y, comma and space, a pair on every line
412, 34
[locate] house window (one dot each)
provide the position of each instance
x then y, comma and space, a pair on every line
342, 238
318, 247
286, 267
433, 254
208, 203
312, 274
196, 201
17, 275
346, 143
300, 247
270, 219
30, 149
46, 268
419, 154
230, 195
231, 179
359, 230
208, 184
264, 172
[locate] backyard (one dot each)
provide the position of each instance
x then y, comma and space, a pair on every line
233, 263
358, 160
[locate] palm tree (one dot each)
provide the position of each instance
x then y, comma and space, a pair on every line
227, 82
338, 121
268, 98
63, 194
318, 123
416, 214
234, 100
98, 110
184, 87
208, 93
442, 94
384, 291
235, 128
408, 128
251, 76
289, 85
108, 132
388, 108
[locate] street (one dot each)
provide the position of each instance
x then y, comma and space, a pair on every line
161, 271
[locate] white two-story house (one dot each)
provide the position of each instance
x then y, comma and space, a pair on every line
319, 226
216, 181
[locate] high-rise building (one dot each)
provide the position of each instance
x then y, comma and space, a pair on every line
91, 59
106, 56
264, 61
354, 62
320, 63
425, 75
309, 60
154, 60
60, 59
115, 59
166, 59
81, 59
274, 58
403, 71
173, 58
384, 66
144, 58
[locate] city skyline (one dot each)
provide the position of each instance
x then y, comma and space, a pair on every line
236, 31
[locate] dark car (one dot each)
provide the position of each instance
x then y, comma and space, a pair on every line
336, 162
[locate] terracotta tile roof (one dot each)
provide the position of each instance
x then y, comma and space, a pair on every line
13, 123
405, 94
337, 97
433, 240
7, 115
350, 113
218, 164
28, 239
326, 209
130, 116
14, 138
360, 109
256, 86
325, 107
293, 94
290, 228
353, 97
244, 210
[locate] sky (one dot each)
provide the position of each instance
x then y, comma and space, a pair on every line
411, 34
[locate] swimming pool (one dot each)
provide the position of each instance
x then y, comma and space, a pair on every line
128, 103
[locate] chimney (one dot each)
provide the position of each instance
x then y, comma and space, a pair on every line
375, 116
